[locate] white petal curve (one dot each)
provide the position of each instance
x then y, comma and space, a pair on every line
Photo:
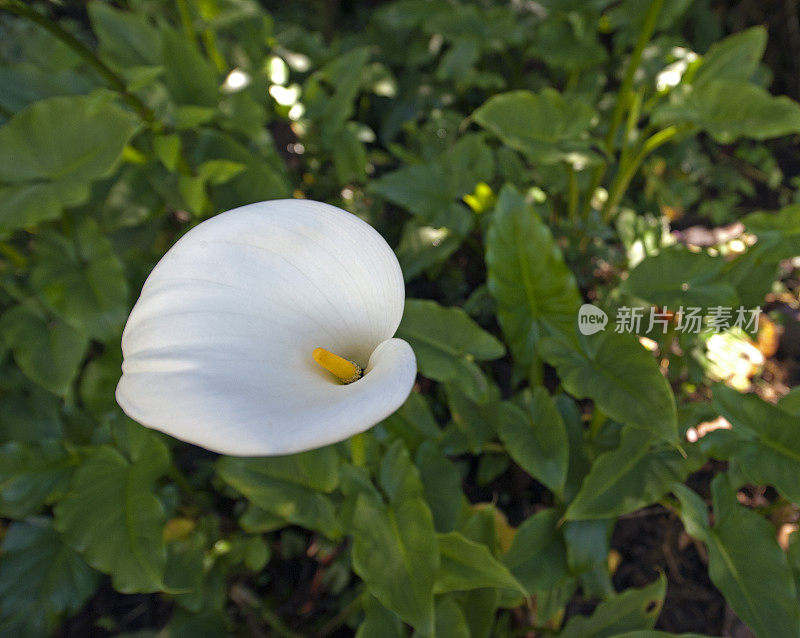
217, 350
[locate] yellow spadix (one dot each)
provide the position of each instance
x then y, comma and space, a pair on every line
346, 371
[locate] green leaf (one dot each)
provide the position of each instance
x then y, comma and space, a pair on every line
450, 619
331, 109
734, 58
126, 39
52, 151
477, 422
49, 353
588, 543
778, 232
535, 291
790, 402
422, 247
448, 343
112, 517
650, 633
467, 565
28, 413
441, 481
413, 422
569, 42
432, 190
611, 369
731, 109
31, 475
631, 610
263, 178
395, 550
219, 171
767, 444
289, 486
379, 622
635, 475
676, 277
41, 579
184, 571
744, 560
538, 556
545, 126
536, 438
190, 78
82, 281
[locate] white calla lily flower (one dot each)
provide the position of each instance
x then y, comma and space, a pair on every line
228, 344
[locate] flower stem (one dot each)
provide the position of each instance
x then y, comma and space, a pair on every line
624, 94
572, 193
114, 81
626, 172
357, 450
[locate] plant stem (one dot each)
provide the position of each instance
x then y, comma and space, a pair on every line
114, 81
623, 96
357, 451
186, 21
572, 193
626, 172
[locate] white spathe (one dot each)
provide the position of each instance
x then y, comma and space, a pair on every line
218, 348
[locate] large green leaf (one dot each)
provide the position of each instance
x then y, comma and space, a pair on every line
82, 280
448, 343
41, 579
49, 353
767, 440
126, 39
631, 610
545, 126
395, 550
52, 151
744, 560
31, 475
731, 109
636, 474
538, 556
536, 438
612, 369
676, 277
112, 517
535, 291
734, 58
292, 487
441, 480
467, 565
190, 78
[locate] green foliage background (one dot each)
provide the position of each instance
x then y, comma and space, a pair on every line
521, 159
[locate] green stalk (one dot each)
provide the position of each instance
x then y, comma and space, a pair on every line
186, 21
625, 174
114, 81
572, 193
357, 450
623, 96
